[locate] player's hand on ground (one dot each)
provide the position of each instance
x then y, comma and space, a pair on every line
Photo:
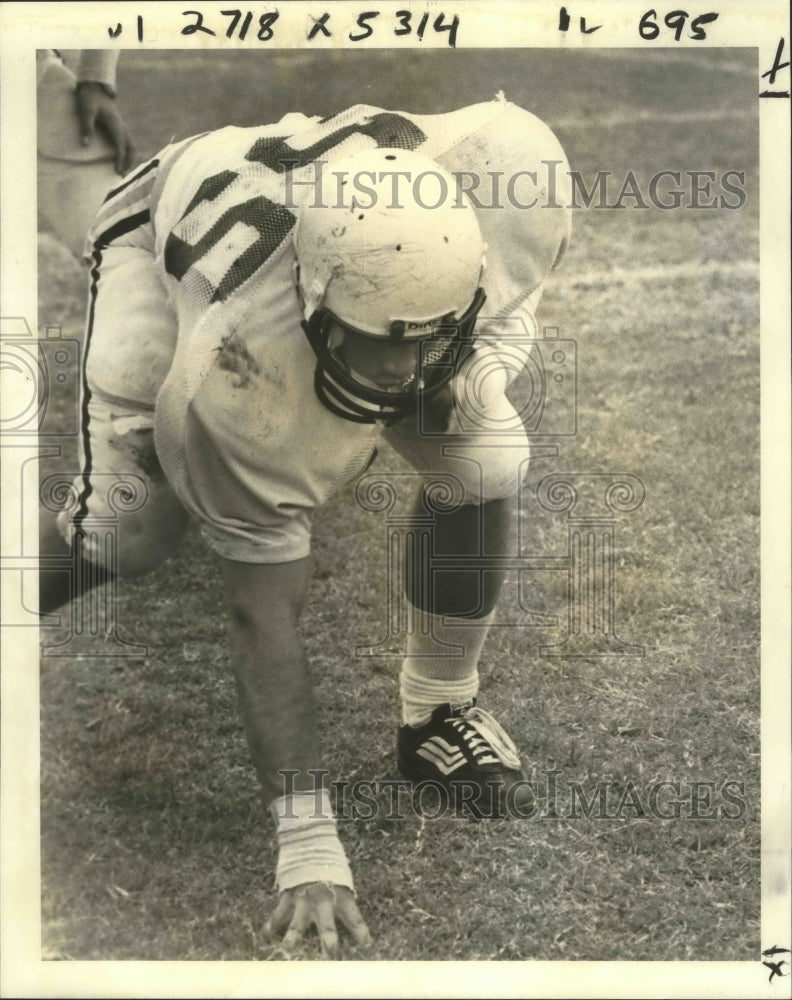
96, 109
322, 906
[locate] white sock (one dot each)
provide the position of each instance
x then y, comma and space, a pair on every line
434, 671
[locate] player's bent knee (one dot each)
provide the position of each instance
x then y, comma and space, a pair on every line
128, 544
494, 473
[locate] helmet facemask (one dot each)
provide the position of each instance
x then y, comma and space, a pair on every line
348, 394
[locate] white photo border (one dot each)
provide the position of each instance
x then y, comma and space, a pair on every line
28, 26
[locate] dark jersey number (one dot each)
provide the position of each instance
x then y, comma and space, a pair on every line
272, 222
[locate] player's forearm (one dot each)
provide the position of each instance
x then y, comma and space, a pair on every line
272, 674
277, 704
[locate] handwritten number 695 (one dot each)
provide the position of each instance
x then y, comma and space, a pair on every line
649, 29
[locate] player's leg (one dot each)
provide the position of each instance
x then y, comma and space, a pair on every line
452, 607
129, 345
444, 736
56, 586
467, 534
121, 484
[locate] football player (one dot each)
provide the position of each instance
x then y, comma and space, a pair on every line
267, 304
83, 141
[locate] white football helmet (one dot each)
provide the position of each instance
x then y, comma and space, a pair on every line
388, 248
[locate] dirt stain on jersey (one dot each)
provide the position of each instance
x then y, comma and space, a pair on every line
233, 356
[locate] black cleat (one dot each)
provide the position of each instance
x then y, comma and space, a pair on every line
468, 758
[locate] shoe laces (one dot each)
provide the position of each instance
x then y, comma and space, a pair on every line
491, 732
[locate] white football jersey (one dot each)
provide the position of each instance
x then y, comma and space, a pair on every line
241, 435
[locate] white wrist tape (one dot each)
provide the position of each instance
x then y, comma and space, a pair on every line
309, 848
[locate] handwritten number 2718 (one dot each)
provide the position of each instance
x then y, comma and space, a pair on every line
265, 22
648, 27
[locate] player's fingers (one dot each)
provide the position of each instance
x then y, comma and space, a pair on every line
87, 108
347, 911
116, 133
128, 156
86, 116
281, 916
123, 154
324, 920
300, 923
122, 142
320, 902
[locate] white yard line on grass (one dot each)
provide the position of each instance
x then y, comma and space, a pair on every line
665, 272
735, 67
181, 58
619, 119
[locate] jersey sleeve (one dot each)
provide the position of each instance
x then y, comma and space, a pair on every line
128, 213
517, 174
98, 65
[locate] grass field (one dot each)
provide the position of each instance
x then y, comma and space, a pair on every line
154, 841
